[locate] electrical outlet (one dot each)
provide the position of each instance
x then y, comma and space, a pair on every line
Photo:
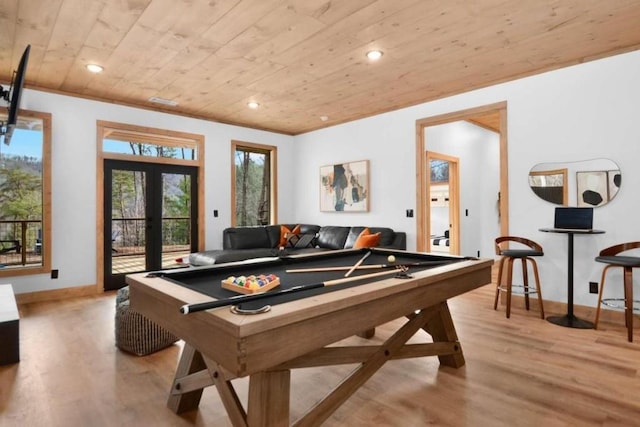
593, 287
54, 274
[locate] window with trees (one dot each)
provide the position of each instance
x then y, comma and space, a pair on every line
25, 197
253, 184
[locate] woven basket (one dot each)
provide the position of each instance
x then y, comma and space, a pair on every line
135, 333
122, 295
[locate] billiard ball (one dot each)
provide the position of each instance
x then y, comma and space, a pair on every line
391, 259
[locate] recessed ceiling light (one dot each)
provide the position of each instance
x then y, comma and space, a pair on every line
374, 55
253, 105
94, 68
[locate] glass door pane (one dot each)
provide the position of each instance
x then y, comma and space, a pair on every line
128, 221
176, 218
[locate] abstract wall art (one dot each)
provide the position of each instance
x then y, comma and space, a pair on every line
344, 187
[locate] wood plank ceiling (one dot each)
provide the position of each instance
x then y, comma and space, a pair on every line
301, 60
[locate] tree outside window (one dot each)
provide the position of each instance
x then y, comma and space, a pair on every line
253, 172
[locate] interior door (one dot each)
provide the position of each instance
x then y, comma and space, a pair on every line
150, 217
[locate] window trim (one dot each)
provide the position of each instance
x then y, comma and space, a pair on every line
272, 150
46, 200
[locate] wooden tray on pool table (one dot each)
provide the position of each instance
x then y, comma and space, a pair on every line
242, 290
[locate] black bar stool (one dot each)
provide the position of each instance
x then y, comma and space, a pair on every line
508, 256
611, 257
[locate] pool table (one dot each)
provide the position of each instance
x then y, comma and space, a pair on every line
297, 327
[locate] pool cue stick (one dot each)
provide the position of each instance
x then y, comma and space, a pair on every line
340, 268
366, 267
238, 299
357, 264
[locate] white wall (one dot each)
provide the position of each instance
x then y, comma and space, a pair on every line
576, 113
387, 141
581, 112
73, 197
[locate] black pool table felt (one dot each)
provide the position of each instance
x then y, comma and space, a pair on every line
208, 281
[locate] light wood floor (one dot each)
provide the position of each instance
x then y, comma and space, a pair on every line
521, 371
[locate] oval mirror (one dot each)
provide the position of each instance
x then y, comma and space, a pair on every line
586, 183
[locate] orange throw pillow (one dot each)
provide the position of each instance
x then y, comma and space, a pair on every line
285, 233
366, 239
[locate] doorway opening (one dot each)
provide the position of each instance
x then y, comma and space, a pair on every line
492, 117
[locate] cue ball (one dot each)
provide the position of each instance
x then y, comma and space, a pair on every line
391, 258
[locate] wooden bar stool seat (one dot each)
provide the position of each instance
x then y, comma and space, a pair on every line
611, 257
525, 255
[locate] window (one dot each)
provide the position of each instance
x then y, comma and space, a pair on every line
132, 143
25, 197
253, 194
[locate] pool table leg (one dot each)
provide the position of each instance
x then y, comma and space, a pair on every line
194, 373
441, 329
191, 361
268, 403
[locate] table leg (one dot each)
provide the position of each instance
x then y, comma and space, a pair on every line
268, 403
442, 329
190, 361
569, 320
628, 297
196, 372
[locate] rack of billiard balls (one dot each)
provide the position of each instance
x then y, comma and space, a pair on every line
251, 284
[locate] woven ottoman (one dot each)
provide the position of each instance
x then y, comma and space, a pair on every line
135, 333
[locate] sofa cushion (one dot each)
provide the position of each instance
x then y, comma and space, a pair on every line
286, 232
387, 235
332, 237
309, 229
273, 231
246, 238
220, 256
206, 257
367, 240
354, 232
307, 237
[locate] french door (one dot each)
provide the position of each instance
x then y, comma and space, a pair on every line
150, 217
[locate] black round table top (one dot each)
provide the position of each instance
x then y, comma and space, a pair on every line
571, 230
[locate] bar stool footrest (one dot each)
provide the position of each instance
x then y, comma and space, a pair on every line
618, 304
519, 289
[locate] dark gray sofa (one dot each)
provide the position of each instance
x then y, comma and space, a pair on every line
242, 243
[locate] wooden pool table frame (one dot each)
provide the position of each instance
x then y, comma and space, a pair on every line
221, 346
